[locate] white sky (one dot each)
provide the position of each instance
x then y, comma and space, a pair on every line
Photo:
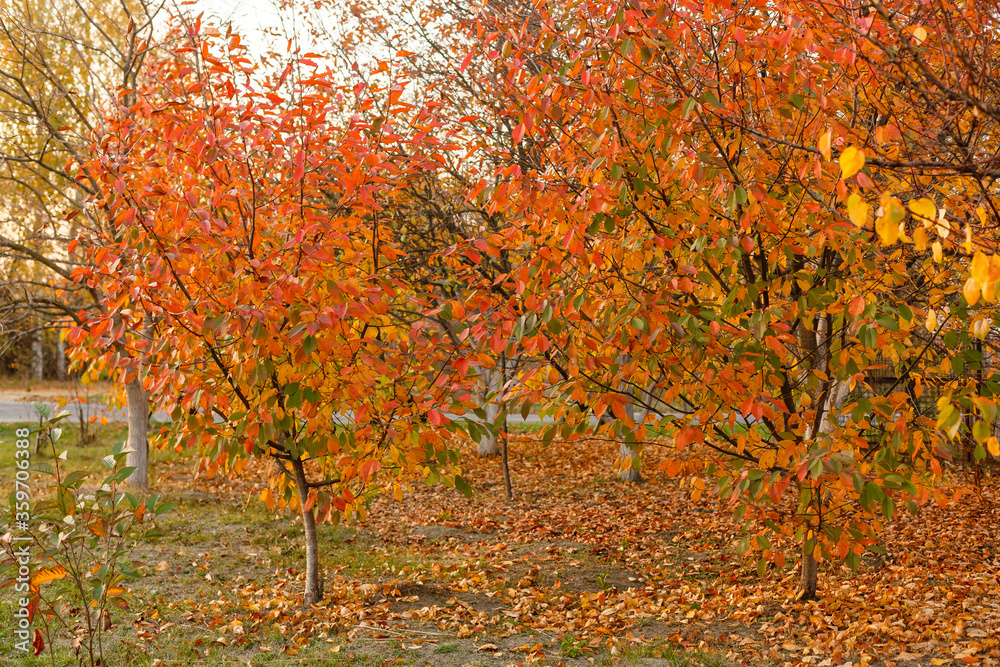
249, 17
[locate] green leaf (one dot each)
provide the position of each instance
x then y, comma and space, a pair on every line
463, 487
163, 508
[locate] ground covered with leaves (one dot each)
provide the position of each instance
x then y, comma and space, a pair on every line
577, 569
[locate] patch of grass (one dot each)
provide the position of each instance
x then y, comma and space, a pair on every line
362, 555
572, 646
451, 647
78, 457
530, 427
674, 655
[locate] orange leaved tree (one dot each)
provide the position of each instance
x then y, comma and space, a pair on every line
250, 210
713, 195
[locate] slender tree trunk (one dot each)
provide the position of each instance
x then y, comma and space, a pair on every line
503, 433
630, 460
628, 454
137, 405
810, 573
488, 444
37, 356
825, 406
60, 358
314, 583
506, 468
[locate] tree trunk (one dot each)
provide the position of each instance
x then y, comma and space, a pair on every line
37, 356
60, 358
314, 583
807, 583
503, 433
630, 459
488, 444
506, 468
137, 404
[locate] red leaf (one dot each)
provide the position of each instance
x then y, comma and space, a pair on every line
38, 643
687, 435
518, 133
300, 165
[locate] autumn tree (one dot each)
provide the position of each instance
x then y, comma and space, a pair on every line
63, 64
250, 205
703, 244
431, 44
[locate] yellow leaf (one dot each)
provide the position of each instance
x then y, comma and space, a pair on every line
931, 322
924, 209
858, 209
980, 328
888, 231
941, 225
767, 459
967, 246
919, 34
989, 292
971, 291
824, 144
980, 267
920, 239
936, 249
45, 575
993, 445
851, 162
268, 498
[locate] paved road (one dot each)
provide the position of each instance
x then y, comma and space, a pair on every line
17, 411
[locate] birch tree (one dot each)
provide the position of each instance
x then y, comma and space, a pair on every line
63, 63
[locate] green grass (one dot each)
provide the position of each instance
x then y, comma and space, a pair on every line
572, 646
674, 655
527, 428
85, 457
451, 647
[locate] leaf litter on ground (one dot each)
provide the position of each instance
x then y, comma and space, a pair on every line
578, 554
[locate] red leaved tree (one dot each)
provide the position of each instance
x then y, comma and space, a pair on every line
250, 207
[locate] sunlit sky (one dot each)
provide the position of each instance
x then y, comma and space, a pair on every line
248, 17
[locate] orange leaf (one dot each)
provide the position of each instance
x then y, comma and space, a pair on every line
45, 575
